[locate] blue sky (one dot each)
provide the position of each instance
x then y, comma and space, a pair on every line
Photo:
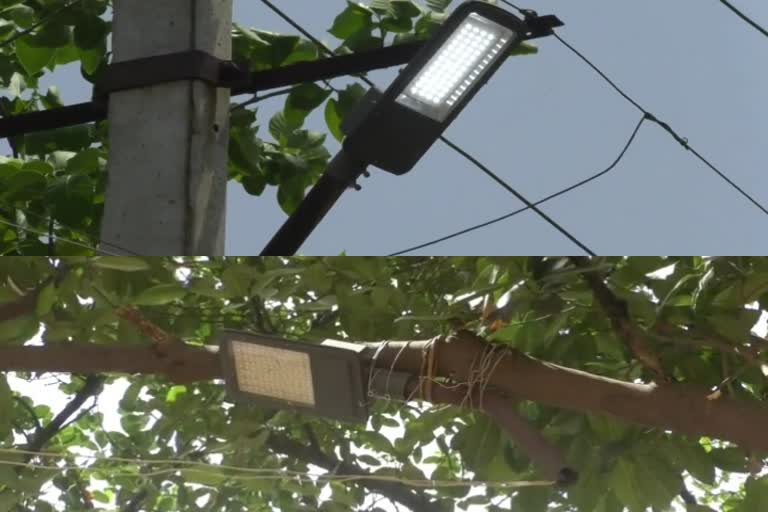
547, 121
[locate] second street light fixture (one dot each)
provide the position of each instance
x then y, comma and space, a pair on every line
392, 130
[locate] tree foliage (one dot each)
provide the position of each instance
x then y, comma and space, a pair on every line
696, 316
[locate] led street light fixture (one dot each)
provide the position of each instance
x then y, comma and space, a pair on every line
324, 380
393, 131
461, 62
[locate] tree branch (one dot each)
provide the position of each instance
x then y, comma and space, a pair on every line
183, 363
543, 454
91, 387
617, 311
392, 490
680, 407
23, 306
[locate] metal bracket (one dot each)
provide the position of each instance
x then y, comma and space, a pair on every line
172, 67
540, 26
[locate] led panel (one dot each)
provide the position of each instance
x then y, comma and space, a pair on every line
273, 372
457, 67
321, 379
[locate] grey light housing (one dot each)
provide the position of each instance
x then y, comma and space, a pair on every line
319, 379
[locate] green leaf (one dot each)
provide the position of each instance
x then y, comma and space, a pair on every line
45, 301
33, 59
337, 109
478, 443
90, 32
354, 19
71, 199
51, 35
302, 100
400, 16
289, 195
624, 478
159, 295
123, 263
756, 494
6, 406
532, 499
69, 138
174, 392
279, 128
438, 5
254, 183
91, 59
24, 186
524, 48
21, 14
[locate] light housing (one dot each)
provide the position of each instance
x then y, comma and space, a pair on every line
324, 380
394, 132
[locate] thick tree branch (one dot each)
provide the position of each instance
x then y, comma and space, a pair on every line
23, 306
617, 311
392, 490
679, 407
181, 364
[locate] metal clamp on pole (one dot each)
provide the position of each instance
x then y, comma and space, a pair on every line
171, 67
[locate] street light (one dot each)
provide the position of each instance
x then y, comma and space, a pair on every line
392, 130
324, 380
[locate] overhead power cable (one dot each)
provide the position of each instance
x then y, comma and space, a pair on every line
59, 238
449, 143
680, 139
744, 17
540, 201
40, 232
518, 195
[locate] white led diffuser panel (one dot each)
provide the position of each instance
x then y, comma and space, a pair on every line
273, 372
456, 67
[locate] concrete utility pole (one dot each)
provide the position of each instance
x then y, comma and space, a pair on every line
166, 191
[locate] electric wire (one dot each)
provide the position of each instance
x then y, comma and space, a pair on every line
238, 472
680, 139
42, 21
445, 140
68, 240
519, 196
40, 232
526, 208
744, 17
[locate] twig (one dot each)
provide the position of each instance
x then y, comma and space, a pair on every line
257, 98
91, 387
668, 333
31, 412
